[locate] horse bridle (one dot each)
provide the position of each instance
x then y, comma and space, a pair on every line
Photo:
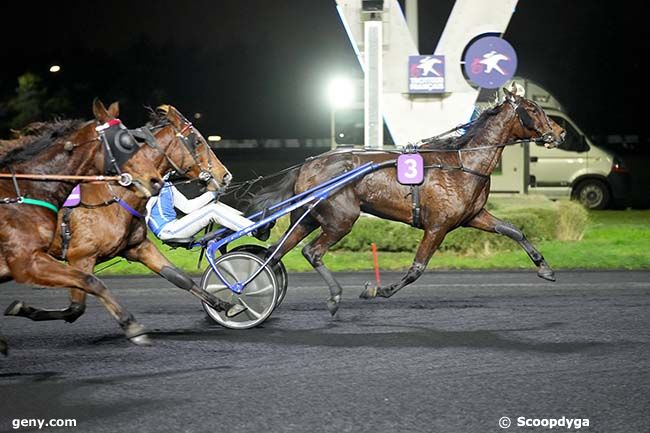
119, 146
528, 123
146, 135
190, 143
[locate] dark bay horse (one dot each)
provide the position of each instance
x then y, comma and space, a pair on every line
102, 229
27, 228
454, 192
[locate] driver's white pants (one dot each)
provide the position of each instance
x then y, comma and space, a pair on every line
191, 224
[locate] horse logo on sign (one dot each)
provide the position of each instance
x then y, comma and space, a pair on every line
490, 62
426, 74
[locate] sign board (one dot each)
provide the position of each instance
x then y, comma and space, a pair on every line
426, 74
490, 62
410, 169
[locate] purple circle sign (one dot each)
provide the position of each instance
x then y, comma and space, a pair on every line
490, 62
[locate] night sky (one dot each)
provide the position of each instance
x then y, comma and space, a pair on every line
257, 68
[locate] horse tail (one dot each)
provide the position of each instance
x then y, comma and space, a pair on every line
274, 193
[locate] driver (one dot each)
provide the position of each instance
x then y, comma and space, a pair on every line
198, 212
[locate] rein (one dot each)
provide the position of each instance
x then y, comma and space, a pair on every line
234, 187
55, 177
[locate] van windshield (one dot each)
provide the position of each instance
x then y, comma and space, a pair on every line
573, 141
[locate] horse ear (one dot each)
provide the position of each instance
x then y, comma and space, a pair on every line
99, 110
163, 109
114, 109
509, 96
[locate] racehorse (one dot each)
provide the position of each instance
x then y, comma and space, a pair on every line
102, 228
455, 190
28, 209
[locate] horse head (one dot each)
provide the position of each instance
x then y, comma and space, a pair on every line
533, 123
121, 154
204, 163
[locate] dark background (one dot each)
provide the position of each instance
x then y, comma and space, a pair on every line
257, 68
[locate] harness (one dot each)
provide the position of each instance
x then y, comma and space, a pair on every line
119, 145
145, 134
20, 199
525, 120
415, 206
191, 144
114, 199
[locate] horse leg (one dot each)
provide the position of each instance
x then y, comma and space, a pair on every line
302, 230
335, 224
147, 254
429, 244
71, 313
487, 222
43, 270
314, 252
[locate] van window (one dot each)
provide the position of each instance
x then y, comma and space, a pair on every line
573, 141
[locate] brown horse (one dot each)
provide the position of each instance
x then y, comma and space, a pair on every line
454, 192
27, 228
100, 229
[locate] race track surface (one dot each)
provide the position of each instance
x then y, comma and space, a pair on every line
455, 352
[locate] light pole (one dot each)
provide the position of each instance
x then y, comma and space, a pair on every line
340, 93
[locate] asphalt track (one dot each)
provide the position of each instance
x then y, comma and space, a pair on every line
455, 352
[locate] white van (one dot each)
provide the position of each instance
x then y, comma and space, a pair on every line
577, 168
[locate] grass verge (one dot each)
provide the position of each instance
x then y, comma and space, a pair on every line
612, 240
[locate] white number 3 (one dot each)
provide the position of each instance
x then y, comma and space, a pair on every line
412, 168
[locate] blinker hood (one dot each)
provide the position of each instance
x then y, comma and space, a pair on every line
119, 145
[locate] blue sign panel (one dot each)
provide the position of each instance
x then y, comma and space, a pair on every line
426, 74
490, 62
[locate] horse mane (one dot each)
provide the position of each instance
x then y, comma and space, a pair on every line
37, 137
157, 119
453, 142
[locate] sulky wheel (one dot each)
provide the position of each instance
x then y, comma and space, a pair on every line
279, 269
259, 296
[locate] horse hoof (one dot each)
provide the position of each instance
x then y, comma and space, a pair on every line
137, 334
141, 340
14, 308
370, 292
4, 348
333, 304
546, 273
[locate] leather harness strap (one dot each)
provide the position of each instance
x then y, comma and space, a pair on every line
415, 206
66, 231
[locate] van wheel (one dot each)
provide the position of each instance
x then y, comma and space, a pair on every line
592, 194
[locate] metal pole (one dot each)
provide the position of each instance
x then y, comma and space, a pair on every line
412, 20
374, 119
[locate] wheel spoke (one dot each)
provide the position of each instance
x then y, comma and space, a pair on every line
259, 291
227, 268
249, 310
251, 267
215, 288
